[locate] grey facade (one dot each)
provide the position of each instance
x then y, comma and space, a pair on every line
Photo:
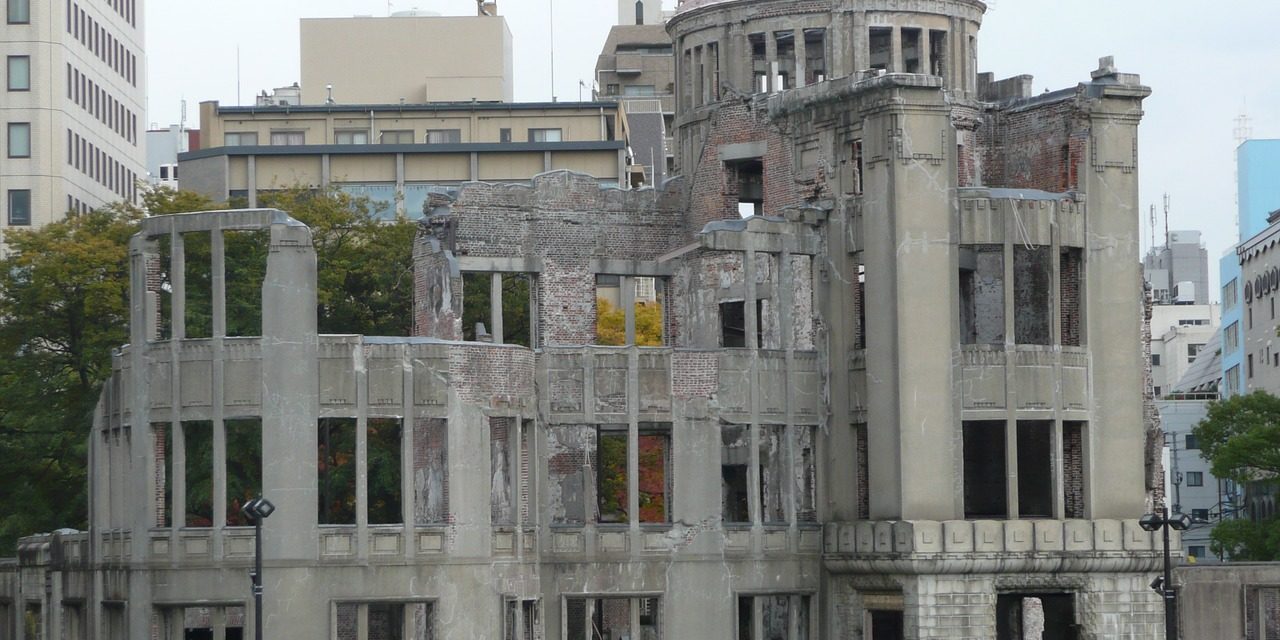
1179, 269
901, 400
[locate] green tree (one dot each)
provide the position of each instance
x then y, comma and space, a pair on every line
1240, 437
64, 307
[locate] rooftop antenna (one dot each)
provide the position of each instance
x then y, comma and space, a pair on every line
1242, 133
1152, 220
237, 75
1166, 220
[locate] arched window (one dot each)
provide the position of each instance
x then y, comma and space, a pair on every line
639, 11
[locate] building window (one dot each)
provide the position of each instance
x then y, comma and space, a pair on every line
611, 89
1195, 478
1231, 338
395, 137
544, 135
1200, 515
504, 135
780, 616
199, 622
19, 207
613, 617
443, 136
351, 137
1196, 551
1158, 391
19, 11
523, 620
640, 12
639, 90
1193, 350
1249, 373
1229, 293
1155, 359
653, 466
637, 321
779, 461
288, 138
1192, 442
19, 73
240, 139
881, 47
383, 620
19, 139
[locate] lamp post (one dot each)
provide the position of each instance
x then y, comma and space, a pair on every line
1164, 585
257, 510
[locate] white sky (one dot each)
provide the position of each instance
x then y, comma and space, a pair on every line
1205, 62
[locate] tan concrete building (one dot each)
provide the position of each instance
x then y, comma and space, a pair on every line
636, 67
413, 57
73, 108
398, 154
902, 398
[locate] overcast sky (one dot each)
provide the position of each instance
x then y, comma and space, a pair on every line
1206, 63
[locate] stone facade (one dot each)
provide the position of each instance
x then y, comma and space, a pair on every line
872, 368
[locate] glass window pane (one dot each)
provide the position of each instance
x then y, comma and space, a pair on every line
19, 207
19, 140
19, 73
19, 11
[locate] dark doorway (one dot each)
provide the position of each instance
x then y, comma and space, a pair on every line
984, 469
886, 625
1059, 615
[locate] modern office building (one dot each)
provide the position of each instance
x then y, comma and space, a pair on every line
414, 57
399, 154
637, 68
163, 148
1179, 269
74, 99
904, 398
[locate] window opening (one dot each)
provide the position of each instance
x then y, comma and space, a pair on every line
162, 436
881, 41
733, 321
240, 139
611, 618
911, 50
395, 137
198, 437
735, 461
383, 468
639, 12
337, 471
443, 136
984, 469
19, 139
786, 52
1035, 469
571, 451
773, 469
504, 135
198, 284
19, 11
19, 207
244, 466
351, 137
780, 616
938, 53
645, 314
545, 135
759, 62
245, 264
815, 55
523, 620
501, 494
1195, 478
655, 473
384, 620
288, 138
1059, 615
856, 164
19, 73
1033, 269
611, 453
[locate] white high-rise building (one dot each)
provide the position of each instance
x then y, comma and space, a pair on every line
73, 108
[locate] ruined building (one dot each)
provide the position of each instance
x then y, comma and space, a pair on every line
901, 399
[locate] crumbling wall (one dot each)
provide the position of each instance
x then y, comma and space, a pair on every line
1154, 461
1033, 146
1073, 468
570, 451
1071, 278
431, 471
437, 289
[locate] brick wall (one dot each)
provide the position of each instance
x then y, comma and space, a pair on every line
1070, 278
694, 374
158, 431
491, 374
864, 474
431, 471
1036, 147
1073, 468
437, 295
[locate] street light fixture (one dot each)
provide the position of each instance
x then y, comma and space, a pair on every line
257, 510
1164, 585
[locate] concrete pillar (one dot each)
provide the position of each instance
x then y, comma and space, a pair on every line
1032, 619
325, 172
801, 50
475, 166
896, 65
771, 55
860, 42
400, 211
252, 178
495, 307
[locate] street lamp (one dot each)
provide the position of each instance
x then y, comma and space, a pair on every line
257, 510
1164, 585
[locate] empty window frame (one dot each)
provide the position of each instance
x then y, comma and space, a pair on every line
384, 438
815, 55
759, 62
396, 137
19, 139
911, 51
19, 73
735, 469
881, 46
629, 310
748, 178
357, 136
654, 473
984, 469
938, 53
1058, 611
240, 138
612, 618
383, 620
182, 623
244, 466
499, 308
19, 207
1035, 469
786, 60
198, 438
612, 496
782, 616
288, 138
777, 467
982, 294
522, 619
337, 471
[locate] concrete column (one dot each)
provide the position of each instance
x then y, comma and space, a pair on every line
627, 297
218, 278
895, 51
362, 453
178, 284
475, 166
771, 54
1010, 368
926, 55
400, 211
495, 307
407, 485
252, 179
325, 172
801, 58
546, 161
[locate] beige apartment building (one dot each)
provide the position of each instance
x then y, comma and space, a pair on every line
412, 57
398, 154
73, 108
637, 68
